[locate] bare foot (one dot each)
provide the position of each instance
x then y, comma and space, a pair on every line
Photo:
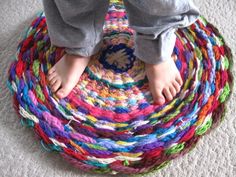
164, 80
66, 73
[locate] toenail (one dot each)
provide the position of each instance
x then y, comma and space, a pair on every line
160, 100
60, 93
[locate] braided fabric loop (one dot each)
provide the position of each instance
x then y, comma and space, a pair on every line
109, 123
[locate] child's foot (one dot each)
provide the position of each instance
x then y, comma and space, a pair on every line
66, 73
164, 80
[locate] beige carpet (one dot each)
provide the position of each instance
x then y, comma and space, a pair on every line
21, 155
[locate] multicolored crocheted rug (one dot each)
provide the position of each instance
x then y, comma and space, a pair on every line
108, 123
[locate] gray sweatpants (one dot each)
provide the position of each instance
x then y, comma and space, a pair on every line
77, 25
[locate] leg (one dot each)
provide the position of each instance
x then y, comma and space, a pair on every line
155, 22
76, 25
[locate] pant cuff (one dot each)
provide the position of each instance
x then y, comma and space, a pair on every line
86, 51
155, 51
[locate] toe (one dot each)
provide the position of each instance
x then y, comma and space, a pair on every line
56, 85
53, 80
62, 93
51, 70
176, 86
179, 80
172, 90
157, 96
167, 94
51, 76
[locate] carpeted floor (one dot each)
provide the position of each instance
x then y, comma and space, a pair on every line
21, 155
